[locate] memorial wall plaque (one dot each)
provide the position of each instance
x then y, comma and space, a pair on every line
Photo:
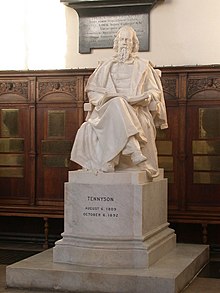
99, 21
99, 30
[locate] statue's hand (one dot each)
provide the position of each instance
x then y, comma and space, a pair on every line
141, 100
105, 99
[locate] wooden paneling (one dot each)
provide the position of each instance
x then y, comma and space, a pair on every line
198, 149
40, 113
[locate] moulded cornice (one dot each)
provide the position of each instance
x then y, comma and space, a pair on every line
80, 4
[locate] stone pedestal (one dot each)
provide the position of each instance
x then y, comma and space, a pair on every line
114, 220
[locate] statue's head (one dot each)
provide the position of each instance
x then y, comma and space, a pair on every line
126, 43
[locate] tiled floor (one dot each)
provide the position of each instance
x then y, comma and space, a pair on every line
208, 281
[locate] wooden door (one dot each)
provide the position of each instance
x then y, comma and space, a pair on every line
203, 143
17, 141
58, 116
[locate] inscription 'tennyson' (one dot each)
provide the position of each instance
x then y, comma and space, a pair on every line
100, 198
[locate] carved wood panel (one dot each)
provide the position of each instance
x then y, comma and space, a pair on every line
17, 90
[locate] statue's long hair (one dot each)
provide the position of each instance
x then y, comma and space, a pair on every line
135, 39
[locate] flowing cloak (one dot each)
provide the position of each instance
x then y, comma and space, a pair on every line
105, 133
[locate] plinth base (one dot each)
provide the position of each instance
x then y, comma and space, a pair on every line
170, 274
114, 220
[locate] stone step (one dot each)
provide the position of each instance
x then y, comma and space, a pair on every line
171, 274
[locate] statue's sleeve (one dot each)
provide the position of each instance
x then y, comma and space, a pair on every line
157, 105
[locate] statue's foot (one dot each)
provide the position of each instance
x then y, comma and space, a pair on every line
137, 157
108, 167
144, 166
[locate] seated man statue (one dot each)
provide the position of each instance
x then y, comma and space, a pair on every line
127, 104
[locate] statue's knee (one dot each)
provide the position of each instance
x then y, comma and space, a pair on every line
118, 101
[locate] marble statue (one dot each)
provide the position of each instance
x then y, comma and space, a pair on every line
127, 104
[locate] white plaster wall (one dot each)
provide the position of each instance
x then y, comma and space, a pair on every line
182, 32
43, 34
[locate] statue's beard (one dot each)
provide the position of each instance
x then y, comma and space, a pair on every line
124, 54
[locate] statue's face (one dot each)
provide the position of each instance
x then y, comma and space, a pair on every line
125, 45
126, 40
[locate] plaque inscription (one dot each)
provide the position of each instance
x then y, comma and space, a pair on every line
99, 207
